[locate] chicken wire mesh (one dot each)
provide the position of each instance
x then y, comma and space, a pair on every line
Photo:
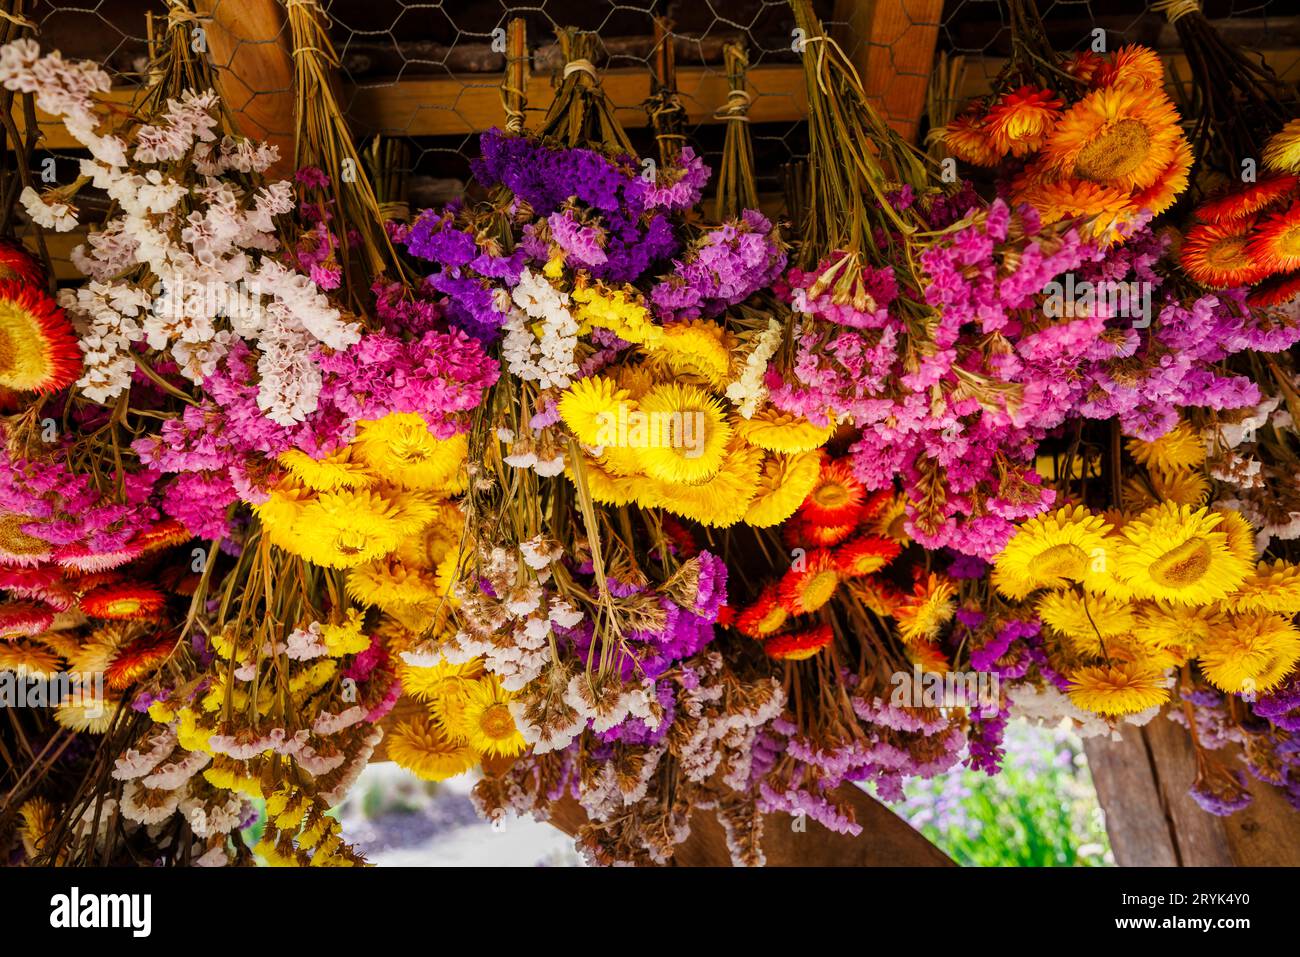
418, 81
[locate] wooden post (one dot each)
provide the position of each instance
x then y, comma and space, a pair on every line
1142, 784
248, 42
891, 43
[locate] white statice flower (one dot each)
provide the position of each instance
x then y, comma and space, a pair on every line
47, 211
548, 358
1233, 434
145, 806
106, 252
136, 764
549, 468
107, 320
217, 285
560, 736
748, 391
562, 613
540, 551
173, 774
185, 121
212, 857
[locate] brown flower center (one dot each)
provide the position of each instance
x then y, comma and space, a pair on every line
1061, 561
1116, 153
1184, 565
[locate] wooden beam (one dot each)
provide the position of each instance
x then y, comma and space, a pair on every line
1142, 784
891, 42
251, 52
430, 106
462, 104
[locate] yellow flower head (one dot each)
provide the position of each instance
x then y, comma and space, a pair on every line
24, 658
421, 747
590, 406
485, 721
719, 501
1047, 551
345, 638
1250, 654
1182, 487
345, 529
779, 431
38, 820
1241, 537
87, 713
1087, 620
1282, 151
1179, 448
621, 311
337, 470
1121, 136
402, 451
1176, 553
429, 684
931, 605
697, 351
783, 483
1118, 689
1272, 587
680, 435
1182, 628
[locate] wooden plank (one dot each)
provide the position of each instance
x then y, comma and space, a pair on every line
1139, 829
431, 106
250, 49
455, 105
1142, 783
892, 42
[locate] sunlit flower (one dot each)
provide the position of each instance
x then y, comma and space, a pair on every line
1250, 653
1047, 551
423, 749
1178, 554
485, 721
1118, 689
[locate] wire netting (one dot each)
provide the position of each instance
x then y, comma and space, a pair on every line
420, 80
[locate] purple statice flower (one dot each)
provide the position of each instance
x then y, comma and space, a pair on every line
583, 245
1218, 790
724, 266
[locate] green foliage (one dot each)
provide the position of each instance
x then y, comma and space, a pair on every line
1041, 811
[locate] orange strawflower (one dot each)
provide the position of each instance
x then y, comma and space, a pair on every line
799, 645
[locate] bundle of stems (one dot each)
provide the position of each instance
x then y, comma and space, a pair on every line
855, 159
174, 64
737, 182
1236, 98
942, 100
580, 113
1033, 60
514, 89
388, 160
323, 141
664, 107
